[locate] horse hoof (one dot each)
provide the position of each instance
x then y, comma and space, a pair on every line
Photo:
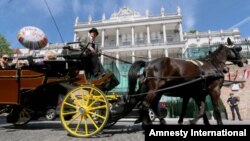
192, 122
187, 122
180, 122
143, 126
219, 123
206, 123
137, 121
163, 122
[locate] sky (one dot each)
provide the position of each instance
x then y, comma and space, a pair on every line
201, 15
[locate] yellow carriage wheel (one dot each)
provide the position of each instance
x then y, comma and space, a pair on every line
84, 111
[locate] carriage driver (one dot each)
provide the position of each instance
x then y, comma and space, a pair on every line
93, 52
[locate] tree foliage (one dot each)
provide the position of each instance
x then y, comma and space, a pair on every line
4, 46
192, 31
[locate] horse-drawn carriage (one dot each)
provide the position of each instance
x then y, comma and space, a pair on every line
88, 106
28, 93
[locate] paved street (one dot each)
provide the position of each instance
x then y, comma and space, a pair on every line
124, 130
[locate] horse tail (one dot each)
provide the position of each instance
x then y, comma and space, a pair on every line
133, 75
132, 101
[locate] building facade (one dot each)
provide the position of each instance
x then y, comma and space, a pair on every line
129, 36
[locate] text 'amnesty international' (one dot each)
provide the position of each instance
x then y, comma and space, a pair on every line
193, 133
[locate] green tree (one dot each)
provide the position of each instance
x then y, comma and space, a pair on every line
4, 46
192, 31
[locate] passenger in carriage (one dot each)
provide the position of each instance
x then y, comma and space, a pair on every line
4, 62
92, 53
48, 56
22, 64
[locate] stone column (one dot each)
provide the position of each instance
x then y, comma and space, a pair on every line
103, 37
75, 40
133, 56
117, 57
166, 52
117, 37
75, 34
148, 34
102, 59
149, 55
164, 33
180, 31
133, 36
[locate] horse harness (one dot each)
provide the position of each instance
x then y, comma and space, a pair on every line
201, 77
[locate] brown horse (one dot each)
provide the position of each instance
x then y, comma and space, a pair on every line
183, 78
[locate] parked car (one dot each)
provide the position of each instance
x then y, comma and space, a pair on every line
163, 111
51, 114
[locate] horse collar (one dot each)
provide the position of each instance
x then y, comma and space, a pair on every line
199, 64
196, 62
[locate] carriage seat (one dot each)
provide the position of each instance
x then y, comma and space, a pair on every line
57, 68
73, 54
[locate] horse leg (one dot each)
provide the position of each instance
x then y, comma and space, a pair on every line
156, 109
148, 101
183, 109
145, 115
205, 120
201, 112
142, 89
215, 102
139, 119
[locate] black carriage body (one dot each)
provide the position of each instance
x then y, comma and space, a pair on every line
38, 88
41, 87
37, 78
34, 91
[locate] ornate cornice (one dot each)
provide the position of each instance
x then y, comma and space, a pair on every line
125, 13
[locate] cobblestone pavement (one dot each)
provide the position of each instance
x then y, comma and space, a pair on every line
124, 130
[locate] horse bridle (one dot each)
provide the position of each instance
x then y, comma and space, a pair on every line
237, 55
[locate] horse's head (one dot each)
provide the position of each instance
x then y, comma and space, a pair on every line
234, 55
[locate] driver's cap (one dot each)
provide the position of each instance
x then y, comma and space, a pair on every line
94, 30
